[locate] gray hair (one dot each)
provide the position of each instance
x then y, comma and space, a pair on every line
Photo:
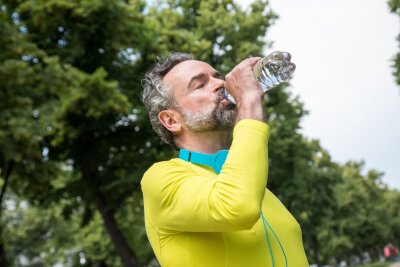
156, 96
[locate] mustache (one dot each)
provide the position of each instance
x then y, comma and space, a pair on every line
219, 96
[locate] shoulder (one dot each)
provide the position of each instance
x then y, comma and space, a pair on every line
163, 180
164, 171
163, 167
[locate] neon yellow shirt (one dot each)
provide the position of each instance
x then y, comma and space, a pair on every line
196, 218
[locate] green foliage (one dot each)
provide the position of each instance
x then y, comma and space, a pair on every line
43, 237
29, 88
394, 6
360, 221
34, 233
377, 264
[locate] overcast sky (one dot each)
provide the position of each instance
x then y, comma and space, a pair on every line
343, 51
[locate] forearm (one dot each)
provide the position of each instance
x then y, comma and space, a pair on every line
244, 175
250, 107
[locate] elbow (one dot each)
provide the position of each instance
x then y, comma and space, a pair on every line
238, 212
247, 216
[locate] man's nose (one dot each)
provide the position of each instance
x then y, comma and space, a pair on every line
217, 84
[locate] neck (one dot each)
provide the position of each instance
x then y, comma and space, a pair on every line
207, 142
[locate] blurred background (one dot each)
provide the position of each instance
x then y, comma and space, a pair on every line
75, 139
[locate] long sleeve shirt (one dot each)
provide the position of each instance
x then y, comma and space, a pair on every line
196, 218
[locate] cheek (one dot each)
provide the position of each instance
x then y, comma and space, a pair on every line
197, 100
200, 95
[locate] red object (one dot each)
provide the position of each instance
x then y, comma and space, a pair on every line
386, 251
394, 251
390, 251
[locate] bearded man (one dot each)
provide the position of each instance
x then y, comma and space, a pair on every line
210, 207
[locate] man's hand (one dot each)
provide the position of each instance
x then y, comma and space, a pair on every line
244, 87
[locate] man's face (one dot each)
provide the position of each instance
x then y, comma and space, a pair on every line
198, 92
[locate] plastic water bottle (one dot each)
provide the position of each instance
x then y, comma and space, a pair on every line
271, 71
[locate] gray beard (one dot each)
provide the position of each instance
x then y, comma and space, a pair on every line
219, 119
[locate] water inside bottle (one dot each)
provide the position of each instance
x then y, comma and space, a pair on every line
274, 73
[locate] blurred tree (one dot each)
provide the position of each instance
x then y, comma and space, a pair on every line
315, 179
359, 221
394, 6
393, 207
32, 234
31, 85
38, 236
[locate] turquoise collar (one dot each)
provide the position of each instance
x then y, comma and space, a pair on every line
215, 161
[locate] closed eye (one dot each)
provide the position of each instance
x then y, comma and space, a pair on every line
200, 86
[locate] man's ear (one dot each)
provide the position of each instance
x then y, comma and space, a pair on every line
171, 120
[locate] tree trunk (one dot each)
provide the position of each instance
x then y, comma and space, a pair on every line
128, 257
3, 260
4, 187
315, 245
378, 252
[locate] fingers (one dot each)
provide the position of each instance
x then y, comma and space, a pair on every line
245, 66
241, 82
251, 61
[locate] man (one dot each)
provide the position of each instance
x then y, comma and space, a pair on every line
213, 213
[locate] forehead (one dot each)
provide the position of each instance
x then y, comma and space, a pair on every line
181, 74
